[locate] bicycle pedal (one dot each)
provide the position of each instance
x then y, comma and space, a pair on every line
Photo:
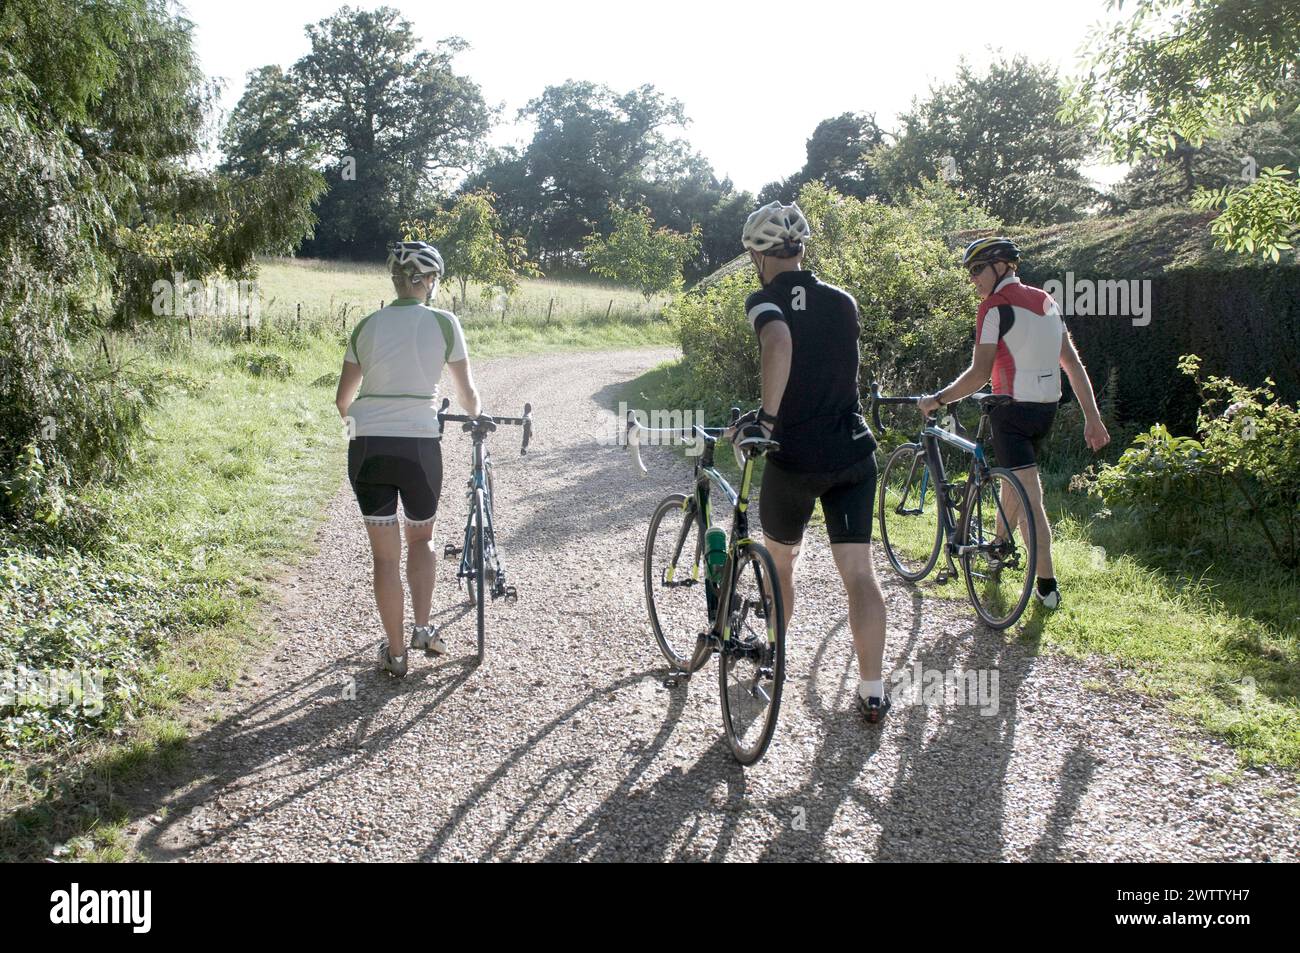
449, 550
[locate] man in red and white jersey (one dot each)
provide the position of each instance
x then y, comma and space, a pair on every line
1021, 341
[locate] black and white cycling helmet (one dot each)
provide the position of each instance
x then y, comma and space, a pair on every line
414, 258
776, 229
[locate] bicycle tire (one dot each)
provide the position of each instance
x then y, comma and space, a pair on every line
984, 605
750, 749
675, 632
480, 577
910, 460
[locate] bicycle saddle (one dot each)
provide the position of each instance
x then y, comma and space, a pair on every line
987, 400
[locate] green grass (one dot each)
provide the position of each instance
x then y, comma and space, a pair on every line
242, 454
330, 287
1217, 638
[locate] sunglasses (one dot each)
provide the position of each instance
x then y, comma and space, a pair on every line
977, 270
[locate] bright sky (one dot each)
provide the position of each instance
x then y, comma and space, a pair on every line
754, 88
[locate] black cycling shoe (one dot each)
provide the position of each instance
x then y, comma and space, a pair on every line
874, 709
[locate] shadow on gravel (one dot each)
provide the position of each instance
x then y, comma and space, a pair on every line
593, 839
324, 728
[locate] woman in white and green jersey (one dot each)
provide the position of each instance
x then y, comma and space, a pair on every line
397, 356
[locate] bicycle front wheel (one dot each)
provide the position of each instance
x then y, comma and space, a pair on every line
999, 547
908, 508
752, 669
478, 583
675, 579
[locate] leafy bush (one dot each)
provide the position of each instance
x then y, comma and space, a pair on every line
1244, 469
263, 364
916, 303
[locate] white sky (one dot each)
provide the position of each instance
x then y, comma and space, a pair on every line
755, 77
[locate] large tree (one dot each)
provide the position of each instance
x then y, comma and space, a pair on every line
837, 156
997, 136
1168, 72
391, 123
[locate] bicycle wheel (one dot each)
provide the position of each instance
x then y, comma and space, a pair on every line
675, 583
477, 584
908, 508
752, 669
997, 559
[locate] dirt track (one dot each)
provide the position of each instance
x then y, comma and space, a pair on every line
564, 744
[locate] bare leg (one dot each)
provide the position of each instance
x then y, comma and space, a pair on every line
420, 565
386, 548
1034, 490
866, 606
787, 564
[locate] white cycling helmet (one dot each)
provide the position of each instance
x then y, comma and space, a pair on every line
414, 258
776, 226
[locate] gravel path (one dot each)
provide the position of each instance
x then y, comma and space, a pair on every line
564, 744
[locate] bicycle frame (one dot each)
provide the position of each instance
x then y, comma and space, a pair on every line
707, 476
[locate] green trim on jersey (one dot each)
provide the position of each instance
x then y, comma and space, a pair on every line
448, 334
352, 341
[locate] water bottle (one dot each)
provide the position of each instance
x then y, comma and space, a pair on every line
715, 552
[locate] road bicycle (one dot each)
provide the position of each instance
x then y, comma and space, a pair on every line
923, 513
480, 566
696, 574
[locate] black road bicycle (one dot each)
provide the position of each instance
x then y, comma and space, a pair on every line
480, 559
922, 513
695, 573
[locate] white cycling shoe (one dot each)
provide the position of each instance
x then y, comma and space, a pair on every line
426, 637
1050, 601
394, 665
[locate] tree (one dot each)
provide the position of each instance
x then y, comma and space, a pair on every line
592, 147
101, 108
263, 129
387, 123
471, 238
1176, 175
1189, 70
638, 254
837, 157
998, 137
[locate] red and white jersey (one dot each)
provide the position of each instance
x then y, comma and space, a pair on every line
1026, 325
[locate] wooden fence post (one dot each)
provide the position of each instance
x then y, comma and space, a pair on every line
609, 309
550, 307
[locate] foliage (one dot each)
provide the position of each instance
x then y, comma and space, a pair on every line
636, 253
997, 137
470, 237
916, 304
1188, 70
387, 124
837, 157
1245, 467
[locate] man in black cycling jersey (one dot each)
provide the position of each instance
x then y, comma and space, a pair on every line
396, 355
1021, 341
808, 341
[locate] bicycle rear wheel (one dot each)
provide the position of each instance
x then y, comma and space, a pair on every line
908, 509
675, 580
998, 558
752, 669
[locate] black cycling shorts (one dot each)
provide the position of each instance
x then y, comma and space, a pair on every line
786, 501
383, 468
1018, 431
